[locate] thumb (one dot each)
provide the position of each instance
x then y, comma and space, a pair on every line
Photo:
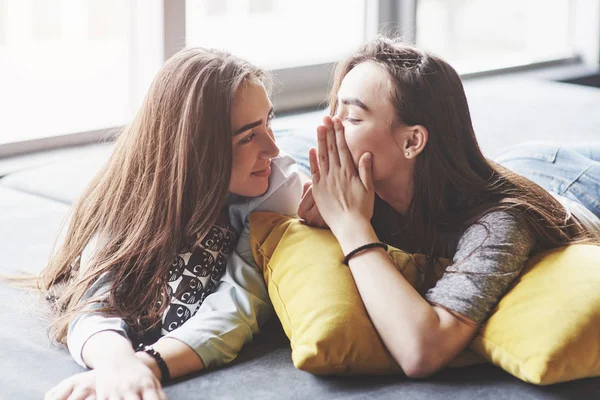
307, 186
365, 170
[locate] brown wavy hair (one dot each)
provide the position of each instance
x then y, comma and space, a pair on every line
163, 186
454, 185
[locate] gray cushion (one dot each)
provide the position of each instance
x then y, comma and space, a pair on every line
28, 228
61, 180
506, 111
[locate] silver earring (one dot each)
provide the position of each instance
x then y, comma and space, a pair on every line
408, 154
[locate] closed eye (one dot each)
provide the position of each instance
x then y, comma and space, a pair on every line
353, 121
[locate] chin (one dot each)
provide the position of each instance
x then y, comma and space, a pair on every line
253, 190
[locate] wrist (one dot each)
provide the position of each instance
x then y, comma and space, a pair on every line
352, 234
106, 348
149, 362
163, 373
124, 362
361, 249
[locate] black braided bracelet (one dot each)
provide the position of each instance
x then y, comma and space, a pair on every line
165, 375
362, 248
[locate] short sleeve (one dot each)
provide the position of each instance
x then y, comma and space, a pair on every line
489, 257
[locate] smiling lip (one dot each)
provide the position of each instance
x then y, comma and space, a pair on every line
263, 173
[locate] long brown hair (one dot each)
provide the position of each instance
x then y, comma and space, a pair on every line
454, 185
162, 188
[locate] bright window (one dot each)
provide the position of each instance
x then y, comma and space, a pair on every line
82, 66
65, 66
278, 34
478, 35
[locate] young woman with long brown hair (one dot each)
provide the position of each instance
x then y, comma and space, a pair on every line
156, 257
398, 162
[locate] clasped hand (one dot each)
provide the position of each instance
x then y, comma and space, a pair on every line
341, 194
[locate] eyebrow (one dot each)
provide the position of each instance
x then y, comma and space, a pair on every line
355, 102
251, 124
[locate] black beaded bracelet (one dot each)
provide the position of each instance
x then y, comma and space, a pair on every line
362, 248
165, 375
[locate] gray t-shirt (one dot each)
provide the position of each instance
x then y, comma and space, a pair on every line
489, 257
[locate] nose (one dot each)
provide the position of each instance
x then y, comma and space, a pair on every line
268, 147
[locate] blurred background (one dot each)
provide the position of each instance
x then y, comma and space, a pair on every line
73, 70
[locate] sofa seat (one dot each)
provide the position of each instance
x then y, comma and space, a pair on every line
34, 201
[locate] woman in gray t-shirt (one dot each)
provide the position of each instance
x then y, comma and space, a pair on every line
399, 163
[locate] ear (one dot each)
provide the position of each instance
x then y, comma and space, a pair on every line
415, 141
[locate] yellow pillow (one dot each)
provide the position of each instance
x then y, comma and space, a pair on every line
316, 299
545, 330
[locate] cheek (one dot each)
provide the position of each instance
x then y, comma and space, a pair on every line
244, 162
241, 166
244, 157
376, 140
365, 138
357, 140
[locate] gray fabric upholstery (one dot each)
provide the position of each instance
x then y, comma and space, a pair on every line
508, 111
33, 202
28, 226
263, 370
61, 180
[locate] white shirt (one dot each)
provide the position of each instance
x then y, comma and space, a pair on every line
230, 316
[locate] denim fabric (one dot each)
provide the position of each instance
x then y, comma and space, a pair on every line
296, 144
570, 171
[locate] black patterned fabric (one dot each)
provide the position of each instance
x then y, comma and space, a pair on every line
195, 274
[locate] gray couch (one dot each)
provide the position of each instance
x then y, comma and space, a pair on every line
35, 193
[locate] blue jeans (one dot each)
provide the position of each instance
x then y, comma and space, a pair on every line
296, 144
571, 171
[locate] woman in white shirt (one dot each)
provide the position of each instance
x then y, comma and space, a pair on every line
156, 257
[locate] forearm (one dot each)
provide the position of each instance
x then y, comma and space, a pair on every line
180, 358
408, 325
106, 347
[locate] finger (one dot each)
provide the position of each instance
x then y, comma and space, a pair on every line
80, 394
307, 202
322, 149
306, 186
314, 218
131, 396
314, 165
161, 394
151, 394
91, 397
59, 392
332, 150
105, 394
342, 146
365, 170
